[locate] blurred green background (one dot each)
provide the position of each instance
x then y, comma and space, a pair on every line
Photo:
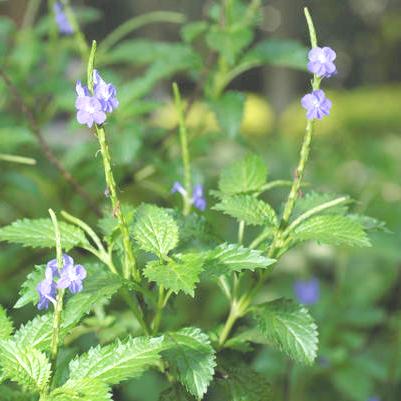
356, 151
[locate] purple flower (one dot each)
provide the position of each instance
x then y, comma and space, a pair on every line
55, 269
321, 62
198, 197
316, 104
62, 21
71, 277
47, 290
105, 93
308, 291
177, 187
89, 108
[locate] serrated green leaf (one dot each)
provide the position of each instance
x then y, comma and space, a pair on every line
83, 389
6, 325
118, 361
190, 353
37, 333
241, 383
313, 199
290, 328
332, 230
228, 258
369, 223
28, 292
229, 110
177, 275
249, 209
155, 230
27, 366
39, 233
246, 175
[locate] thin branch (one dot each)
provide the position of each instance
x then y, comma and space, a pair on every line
51, 157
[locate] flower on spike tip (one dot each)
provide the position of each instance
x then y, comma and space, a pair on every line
47, 290
316, 104
89, 108
105, 93
71, 277
321, 62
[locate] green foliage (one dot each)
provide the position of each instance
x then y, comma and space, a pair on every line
99, 287
81, 390
36, 333
28, 292
228, 258
180, 274
193, 30
6, 325
288, 327
175, 393
155, 230
240, 383
11, 394
333, 230
248, 209
246, 175
190, 353
313, 199
118, 361
27, 366
279, 52
39, 234
229, 109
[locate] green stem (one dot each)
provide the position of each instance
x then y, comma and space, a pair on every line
30, 13
184, 150
159, 310
137, 22
58, 308
129, 259
241, 229
17, 159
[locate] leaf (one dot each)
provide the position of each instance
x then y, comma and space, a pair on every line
227, 258
28, 292
229, 110
279, 52
37, 333
39, 233
83, 389
248, 209
118, 361
28, 367
190, 353
229, 42
6, 325
246, 175
155, 230
10, 394
369, 223
177, 275
289, 328
193, 30
332, 230
313, 199
242, 383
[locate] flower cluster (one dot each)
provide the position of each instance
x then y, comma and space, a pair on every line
321, 64
93, 108
68, 276
198, 196
307, 291
64, 25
